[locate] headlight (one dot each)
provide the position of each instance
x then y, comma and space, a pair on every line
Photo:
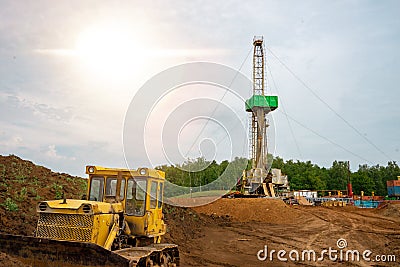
86, 208
91, 169
143, 171
42, 206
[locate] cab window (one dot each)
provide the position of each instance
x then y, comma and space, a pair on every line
111, 187
136, 197
153, 195
122, 192
160, 195
96, 189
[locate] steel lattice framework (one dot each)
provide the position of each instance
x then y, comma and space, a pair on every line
258, 121
258, 67
258, 180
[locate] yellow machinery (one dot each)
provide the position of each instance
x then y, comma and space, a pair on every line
118, 223
334, 203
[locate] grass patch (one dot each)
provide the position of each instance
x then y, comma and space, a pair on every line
83, 185
21, 196
58, 188
35, 181
2, 171
32, 192
10, 205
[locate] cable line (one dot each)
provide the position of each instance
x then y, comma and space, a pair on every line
326, 104
327, 139
284, 111
216, 107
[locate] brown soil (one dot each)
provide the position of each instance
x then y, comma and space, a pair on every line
8, 261
303, 201
391, 210
245, 226
24, 184
252, 209
227, 232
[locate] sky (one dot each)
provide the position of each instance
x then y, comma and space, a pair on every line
70, 69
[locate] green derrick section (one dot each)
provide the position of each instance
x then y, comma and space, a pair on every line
269, 102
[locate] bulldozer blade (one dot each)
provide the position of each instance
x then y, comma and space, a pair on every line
41, 252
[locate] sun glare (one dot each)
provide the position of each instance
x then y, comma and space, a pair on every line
110, 51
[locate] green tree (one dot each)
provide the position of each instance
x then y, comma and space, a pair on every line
338, 176
361, 181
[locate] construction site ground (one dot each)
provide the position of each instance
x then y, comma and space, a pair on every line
227, 232
230, 232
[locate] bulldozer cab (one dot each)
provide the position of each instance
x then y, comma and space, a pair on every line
140, 192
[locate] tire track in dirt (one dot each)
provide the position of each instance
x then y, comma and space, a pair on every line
360, 228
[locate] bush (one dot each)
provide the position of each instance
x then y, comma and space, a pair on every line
22, 195
10, 205
58, 190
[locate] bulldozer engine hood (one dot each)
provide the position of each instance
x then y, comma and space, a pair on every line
73, 206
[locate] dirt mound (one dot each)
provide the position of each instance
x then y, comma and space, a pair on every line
252, 209
180, 222
8, 261
390, 210
304, 201
22, 185
184, 224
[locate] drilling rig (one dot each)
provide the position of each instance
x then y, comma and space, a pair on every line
258, 180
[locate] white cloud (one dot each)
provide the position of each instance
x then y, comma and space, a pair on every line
13, 142
52, 154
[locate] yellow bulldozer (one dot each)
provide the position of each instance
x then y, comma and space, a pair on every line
118, 223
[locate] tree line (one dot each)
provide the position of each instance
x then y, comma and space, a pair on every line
302, 175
